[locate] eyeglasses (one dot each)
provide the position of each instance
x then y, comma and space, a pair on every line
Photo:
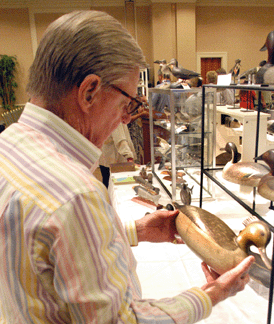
134, 104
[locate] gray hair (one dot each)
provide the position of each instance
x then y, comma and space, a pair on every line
79, 44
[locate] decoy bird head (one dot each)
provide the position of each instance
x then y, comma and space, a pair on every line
236, 68
258, 234
231, 148
161, 62
269, 46
268, 158
173, 62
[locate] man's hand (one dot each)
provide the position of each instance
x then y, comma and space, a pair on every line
228, 284
158, 227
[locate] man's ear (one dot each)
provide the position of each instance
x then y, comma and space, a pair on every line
88, 90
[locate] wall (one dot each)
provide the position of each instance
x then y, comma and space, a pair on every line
164, 30
42, 20
164, 33
239, 31
186, 35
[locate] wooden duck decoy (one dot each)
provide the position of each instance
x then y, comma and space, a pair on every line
181, 73
266, 184
243, 173
215, 243
265, 75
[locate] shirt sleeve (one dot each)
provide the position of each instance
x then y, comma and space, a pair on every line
95, 270
188, 307
131, 232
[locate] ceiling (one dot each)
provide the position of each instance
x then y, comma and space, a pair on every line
92, 3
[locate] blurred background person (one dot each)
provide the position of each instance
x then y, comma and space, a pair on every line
118, 148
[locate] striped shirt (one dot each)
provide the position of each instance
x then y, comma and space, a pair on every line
65, 256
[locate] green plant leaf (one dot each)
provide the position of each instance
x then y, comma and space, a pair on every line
7, 80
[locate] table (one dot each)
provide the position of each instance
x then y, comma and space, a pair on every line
166, 269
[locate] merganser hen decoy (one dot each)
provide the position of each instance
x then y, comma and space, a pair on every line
266, 184
265, 75
242, 173
179, 72
213, 241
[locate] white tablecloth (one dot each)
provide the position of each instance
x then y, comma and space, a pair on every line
166, 269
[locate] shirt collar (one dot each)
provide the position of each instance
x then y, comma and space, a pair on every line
74, 143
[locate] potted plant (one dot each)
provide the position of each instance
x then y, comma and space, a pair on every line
7, 80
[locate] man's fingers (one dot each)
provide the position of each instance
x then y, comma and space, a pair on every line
242, 268
210, 275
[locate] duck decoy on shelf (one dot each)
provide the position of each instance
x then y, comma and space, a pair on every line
213, 241
242, 173
266, 73
266, 184
179, 72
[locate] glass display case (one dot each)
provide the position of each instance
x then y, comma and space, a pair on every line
256, 137
251, 138
176, 137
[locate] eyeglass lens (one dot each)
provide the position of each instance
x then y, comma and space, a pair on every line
133, 105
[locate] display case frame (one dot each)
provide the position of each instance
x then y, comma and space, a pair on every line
154, 116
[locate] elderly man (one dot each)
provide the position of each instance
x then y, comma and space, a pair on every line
65, 256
